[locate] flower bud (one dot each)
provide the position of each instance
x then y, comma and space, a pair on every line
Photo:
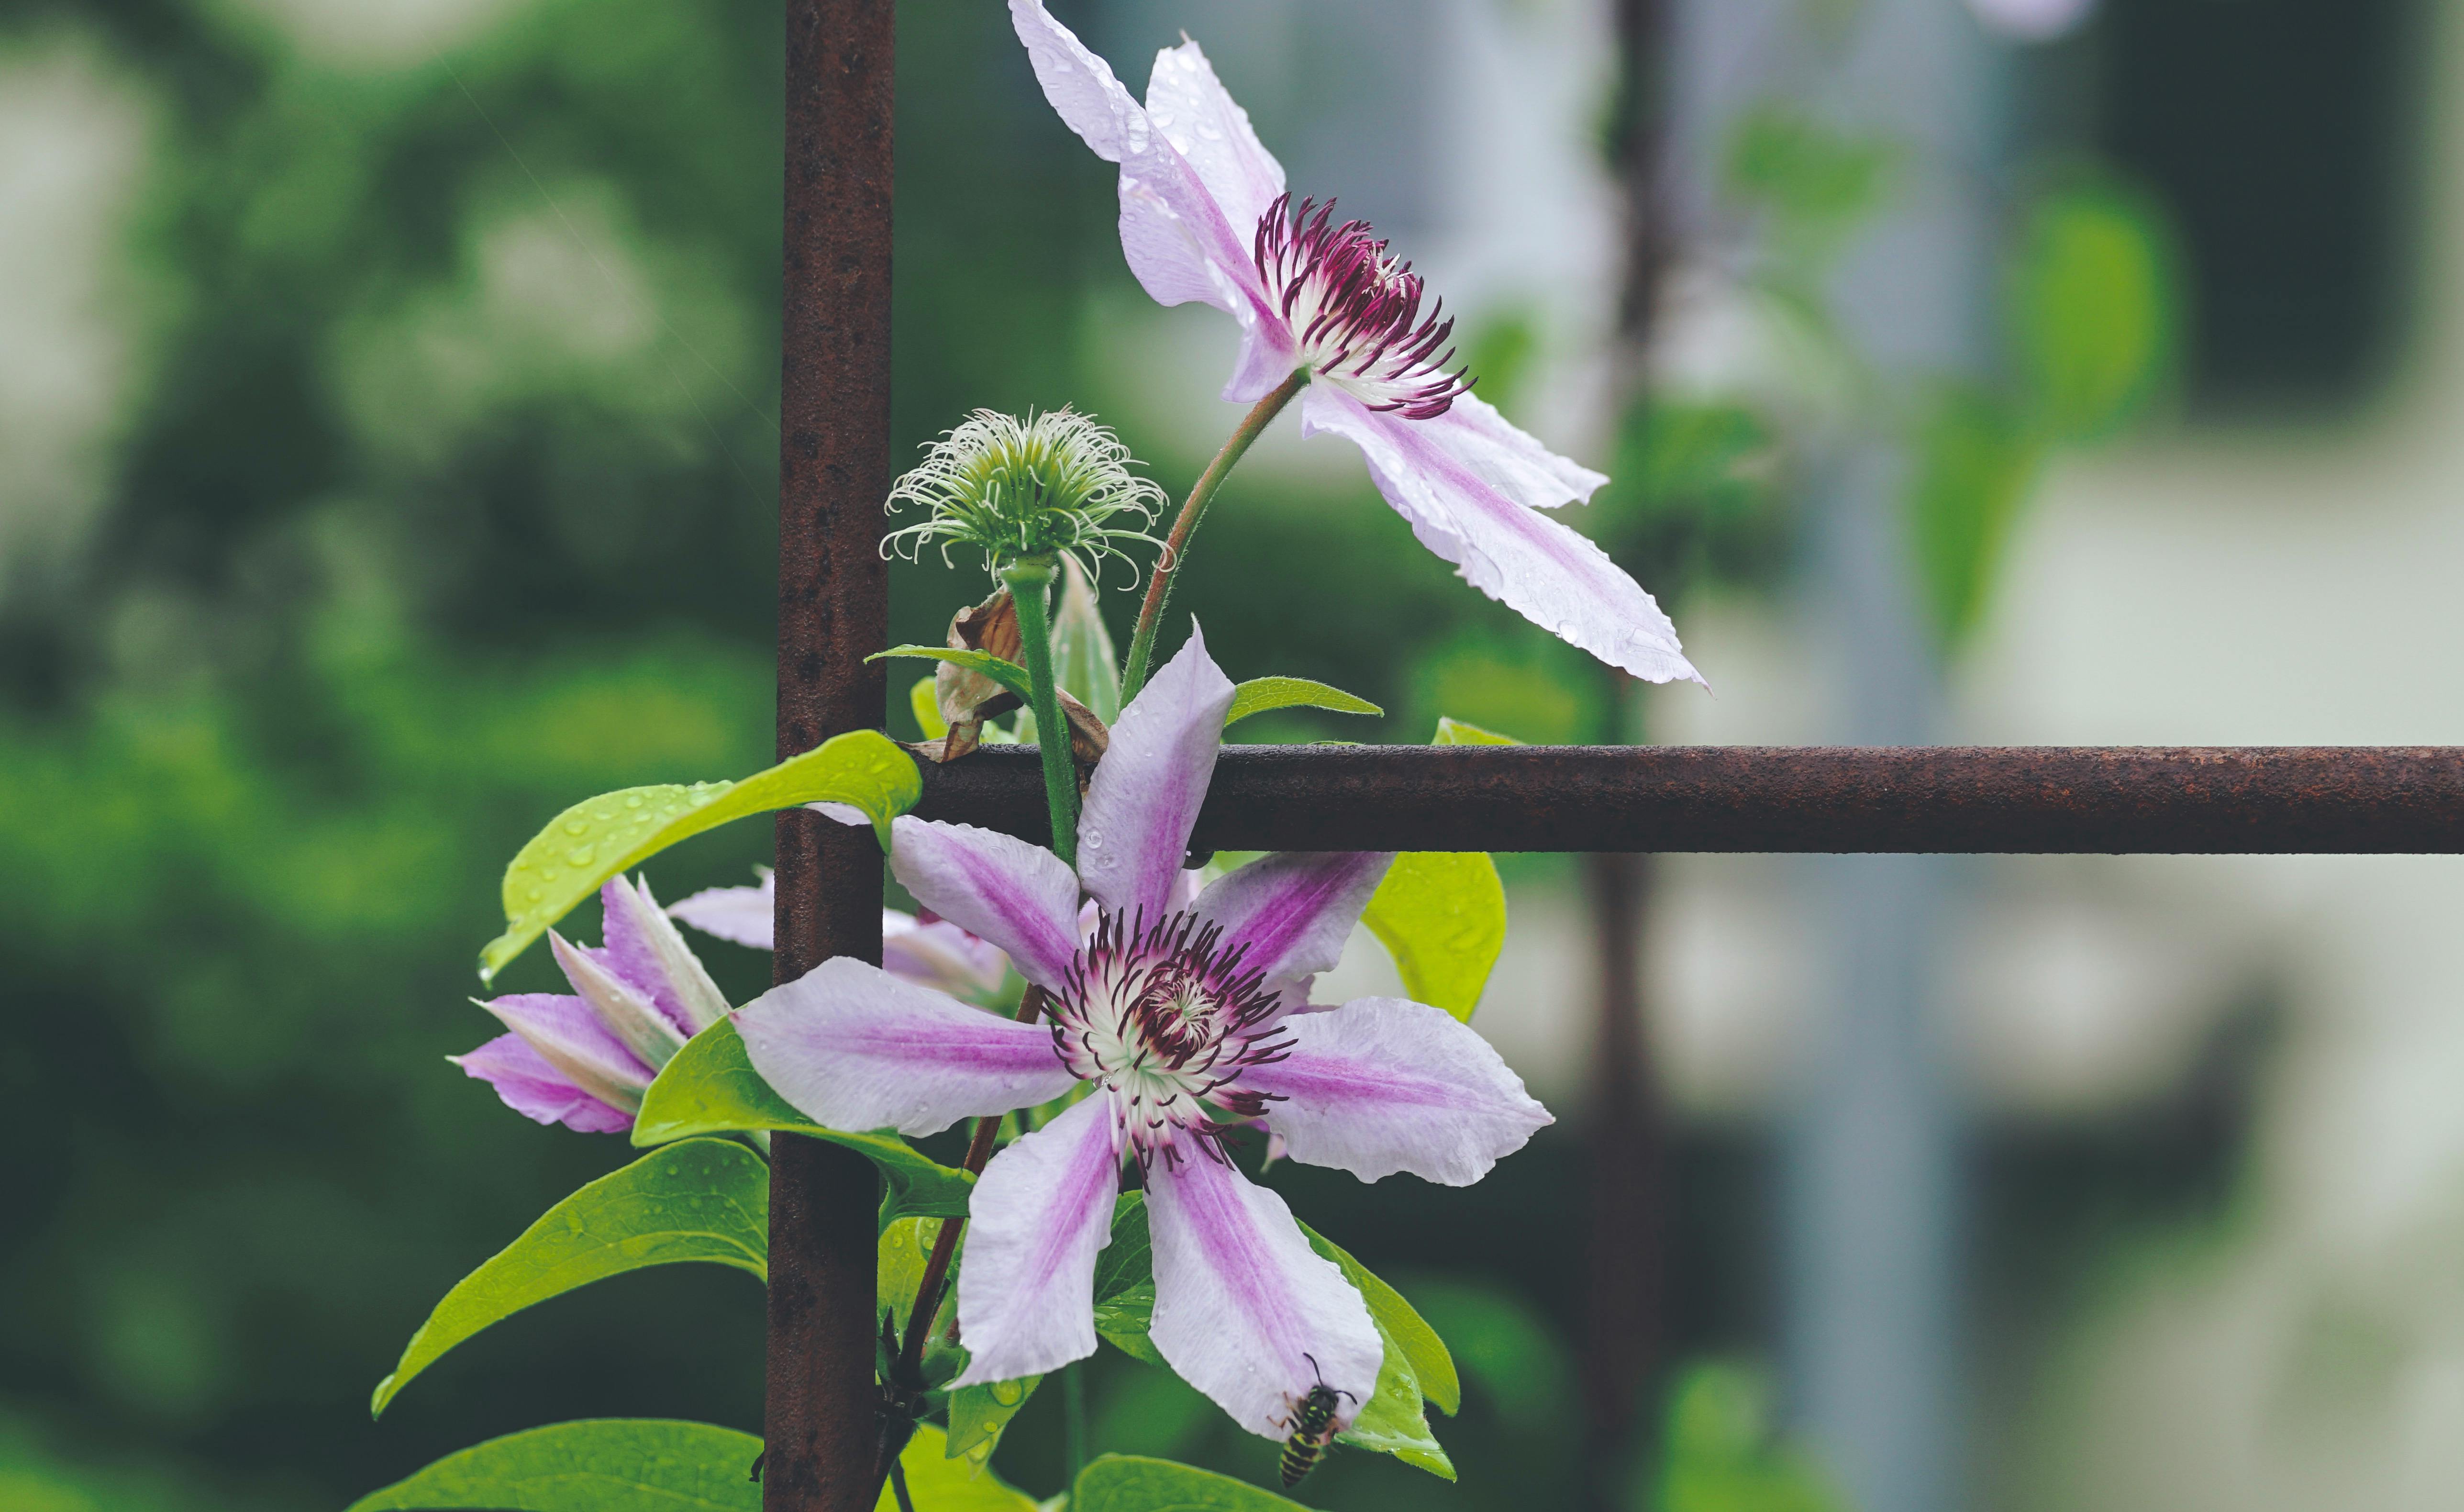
1050, 485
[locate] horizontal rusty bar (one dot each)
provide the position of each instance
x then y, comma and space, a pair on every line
2034, 800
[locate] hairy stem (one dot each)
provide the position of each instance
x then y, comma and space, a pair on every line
1030, 579
1176, 546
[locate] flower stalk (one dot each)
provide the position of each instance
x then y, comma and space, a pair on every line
1029, 581
1176, 546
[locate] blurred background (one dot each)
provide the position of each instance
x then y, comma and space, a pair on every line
388, 419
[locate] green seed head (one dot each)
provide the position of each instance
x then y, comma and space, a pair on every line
1051, 485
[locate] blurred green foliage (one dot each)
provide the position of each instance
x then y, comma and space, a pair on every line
447, 498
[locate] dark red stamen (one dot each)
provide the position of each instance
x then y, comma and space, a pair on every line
1367, 307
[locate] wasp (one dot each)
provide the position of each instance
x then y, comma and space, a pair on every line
1312, 1425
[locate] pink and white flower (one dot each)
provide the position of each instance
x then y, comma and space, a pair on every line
1180, 1018
584, 1060
1205, 217
934, 951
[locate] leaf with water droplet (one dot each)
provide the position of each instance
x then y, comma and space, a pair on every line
703, 1199
863, 768
710, 1088
1265, 695
977, 1415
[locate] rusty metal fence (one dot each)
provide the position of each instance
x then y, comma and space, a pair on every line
834, 611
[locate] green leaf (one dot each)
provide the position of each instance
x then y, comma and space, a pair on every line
594, 841
898, 1266
603, 1465
1392, 1421
1265, 695
1442, 916
977, 1415
1456, 732
710, 1088
939, 1482
705, 1200
2093, 309
1131, 1484
925, 702
1008, 673
1125, 1282
1083, 658
1976, 464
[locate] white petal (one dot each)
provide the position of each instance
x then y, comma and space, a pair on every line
941, 954
1180, 243
1383, 1085
739, 916
854, 1048
1520, 556
1245, 1310
996, 886
1291, 914
1509, 458
1134, 832
1201, 119
1043, 1208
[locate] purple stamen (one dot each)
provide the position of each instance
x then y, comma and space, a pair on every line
1364, 324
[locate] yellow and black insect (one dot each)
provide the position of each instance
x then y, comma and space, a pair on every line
1312, 1425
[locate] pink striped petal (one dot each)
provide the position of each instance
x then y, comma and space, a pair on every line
1043, 1208
647, 951
739, 915
1143, 801
537, 1090
1552, 575
941, 954
856, 1049
1384, 1085
1180, 240
1292, 912
569, 1036
1509, 458
998, 887
1245, 1310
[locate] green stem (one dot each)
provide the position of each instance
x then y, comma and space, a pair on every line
1176, 546
1029, 579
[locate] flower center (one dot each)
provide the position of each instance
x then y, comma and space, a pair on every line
1357, 310
1166, 1020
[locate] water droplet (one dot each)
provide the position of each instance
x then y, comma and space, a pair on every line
1009, 1393
1089, 837
633, 800
582, 855
600, 815
549, 874
537, 894
576, 827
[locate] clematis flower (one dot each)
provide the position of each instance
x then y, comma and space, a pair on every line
583, 1061
934, 951
1181, 1017
1205, 217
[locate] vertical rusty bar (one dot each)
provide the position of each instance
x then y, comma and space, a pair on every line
833, 610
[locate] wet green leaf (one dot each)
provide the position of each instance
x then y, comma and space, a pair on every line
978, 1414
939, 1482
712, 1088
1083, 658
600, 1465
1442, 916
1131, 1484
1393, 1421
1009, 674
1456, 732
704, 1199
594, 841
1265, 695
924, 701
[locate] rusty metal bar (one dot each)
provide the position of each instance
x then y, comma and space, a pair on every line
2186, 800
834, 611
